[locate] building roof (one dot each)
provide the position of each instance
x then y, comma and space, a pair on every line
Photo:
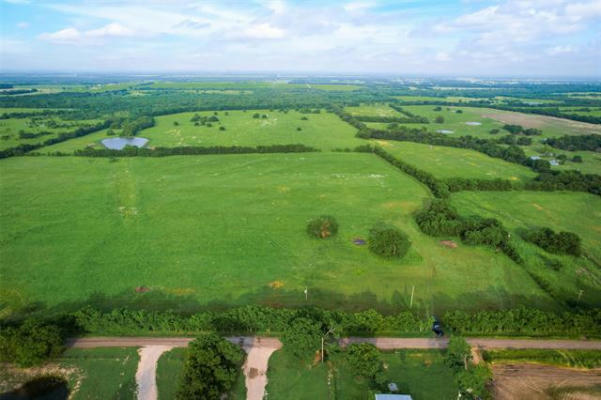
393, 397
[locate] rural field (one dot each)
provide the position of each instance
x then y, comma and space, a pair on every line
231, 230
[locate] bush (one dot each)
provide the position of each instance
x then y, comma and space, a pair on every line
388, 241
30, 344
458, 353
212, 366
559, 243
302, 337
322, 227
439, 119
366, 361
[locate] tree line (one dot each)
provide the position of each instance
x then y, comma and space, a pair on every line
132, 151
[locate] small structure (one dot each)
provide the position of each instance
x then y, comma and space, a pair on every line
393, 397
534, 157
554, 163
392, 387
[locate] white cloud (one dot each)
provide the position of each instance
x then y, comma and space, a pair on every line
74, 36
67, 35
556, 50
264, 31
23, 25
113, 29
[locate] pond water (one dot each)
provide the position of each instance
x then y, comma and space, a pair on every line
445, 131
119, 143
472, 123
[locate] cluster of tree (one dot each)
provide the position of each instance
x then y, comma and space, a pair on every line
366, 361
211, 368
459, 184
322, 227
398, 120
519, 129
388, 241
559, 243
524, 321
440, 219
257, 115
131, 128
203, 119
249, 320
349, 119
571, 143
566, 180
31, 343
473, 380
81, 131
33, 135
132, 151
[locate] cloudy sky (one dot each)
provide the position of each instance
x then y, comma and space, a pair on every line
423, 37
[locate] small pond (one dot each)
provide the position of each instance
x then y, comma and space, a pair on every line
119, 143
445, 131
472, 123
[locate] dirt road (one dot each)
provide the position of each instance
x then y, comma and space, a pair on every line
147, 370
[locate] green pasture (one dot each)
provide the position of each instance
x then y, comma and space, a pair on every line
580, 213
10, 128
374, 110
230, 229
591, 161
325, 131
449, 162
421, 373
102, 373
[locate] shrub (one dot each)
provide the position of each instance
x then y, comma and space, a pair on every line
458, 353
30, 344
494, 131
323, 227
577, 159
439, 119
222, 128
212, 366
559, 243
302, 336
366, 361
388, 241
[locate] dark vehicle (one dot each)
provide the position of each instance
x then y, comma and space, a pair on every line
436, 328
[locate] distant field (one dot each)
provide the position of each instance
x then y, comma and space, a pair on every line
231, 229
246, 85
561, 211
421, 373
325, 131
591, 161
10, 129
449, 162
378, 110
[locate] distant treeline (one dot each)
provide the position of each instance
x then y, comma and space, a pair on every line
10, 92
132, 151
409, 118
566, 180
572, 143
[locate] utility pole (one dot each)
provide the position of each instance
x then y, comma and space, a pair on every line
306, 294
412, 291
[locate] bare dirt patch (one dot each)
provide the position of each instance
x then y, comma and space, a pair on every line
147, 369
449, 243
540, 121
534, 382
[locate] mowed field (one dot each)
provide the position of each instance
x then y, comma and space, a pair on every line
449, 162
325, 131
231, 230
421, 373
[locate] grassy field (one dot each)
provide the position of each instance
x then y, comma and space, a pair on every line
169, 371
561, 211
10, 128
449, 162
325, 131
378, 110
103, 373
277, 84
420, 373
565, 358
231, 230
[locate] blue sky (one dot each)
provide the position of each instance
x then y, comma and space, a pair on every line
427, 37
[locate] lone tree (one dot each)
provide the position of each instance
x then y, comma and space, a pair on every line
302, 337
322, 227
439, 119
366, 361
31, 344
211, 368
388, 241
458, 353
